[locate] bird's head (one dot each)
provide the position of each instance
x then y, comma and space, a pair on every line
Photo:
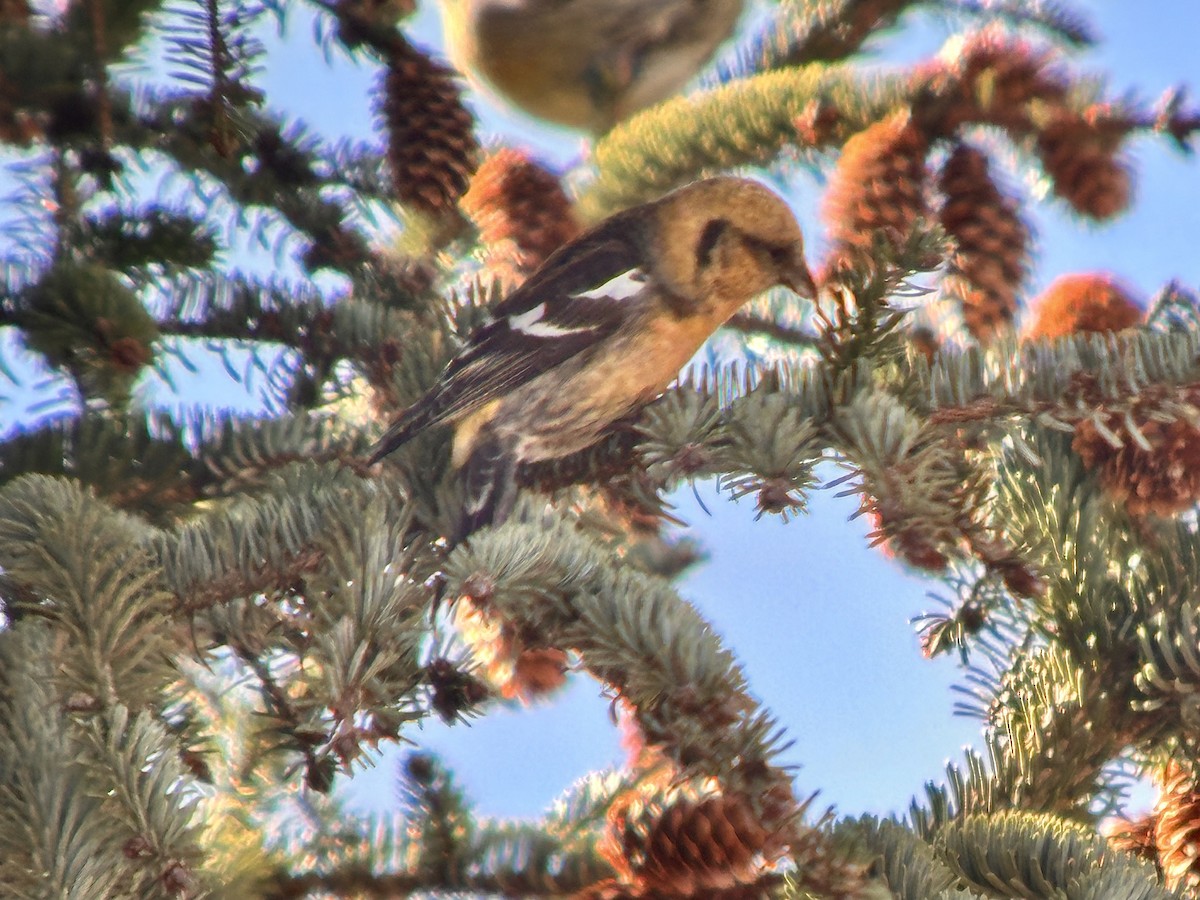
724, 240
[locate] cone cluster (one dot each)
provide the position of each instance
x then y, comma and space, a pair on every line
522, 212
991, 243
431, 141
877, 190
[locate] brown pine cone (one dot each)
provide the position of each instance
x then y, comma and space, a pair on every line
898, 538
1177, 827
1083, 302
993, 78
517, 671
1080, 156
612, 889
431, 140
699, 848
1163, 479
991, 239
520, 206
1134, 836
877, 189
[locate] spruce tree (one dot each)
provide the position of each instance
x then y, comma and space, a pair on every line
208, 618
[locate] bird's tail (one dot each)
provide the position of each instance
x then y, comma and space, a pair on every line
411, 421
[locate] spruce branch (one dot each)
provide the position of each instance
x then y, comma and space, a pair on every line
749, 122
825, 31
1043, 710
53, 836
631, 631
138, 464
288, 728
1034, 853
282, 176
259, 544
132, 762
751, 324
1057, 20
96, 581
213, 50
908, 866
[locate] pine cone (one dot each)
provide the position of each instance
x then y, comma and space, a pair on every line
1080, 156
518, 204
612, 889
431, 142
817, 123
1162, 480
1134, 836
701, 848
992, 241
1084, 302
878, 188
518, 672
996, 79
1177, 828
903, 537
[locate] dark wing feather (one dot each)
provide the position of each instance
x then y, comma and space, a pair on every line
500, 358
614, 246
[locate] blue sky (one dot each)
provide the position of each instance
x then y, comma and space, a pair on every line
820, 622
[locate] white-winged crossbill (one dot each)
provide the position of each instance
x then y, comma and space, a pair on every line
586, 63
601, 328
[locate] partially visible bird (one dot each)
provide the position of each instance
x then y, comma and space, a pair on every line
601, 328
586, 64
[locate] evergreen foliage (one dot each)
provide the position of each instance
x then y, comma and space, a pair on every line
207, 618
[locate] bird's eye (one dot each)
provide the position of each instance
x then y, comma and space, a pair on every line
780, 256
708, 240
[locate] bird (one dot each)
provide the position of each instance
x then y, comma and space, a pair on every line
586, 64
603, 327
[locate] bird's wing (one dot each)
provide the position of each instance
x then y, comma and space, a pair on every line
572, 303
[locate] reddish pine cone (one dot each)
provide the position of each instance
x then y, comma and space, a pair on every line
536, 673
1177, 827
514, 201
1134, 836
1080, 156
901, 536
700, 848
612, 889
517, 672
1162, 480
1084, 302
997, 79
991, 240
817, 123
878, 188
431, 142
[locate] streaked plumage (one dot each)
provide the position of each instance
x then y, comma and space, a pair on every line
603, 327
586, 63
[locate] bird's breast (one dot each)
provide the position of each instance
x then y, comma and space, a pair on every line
570, 407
